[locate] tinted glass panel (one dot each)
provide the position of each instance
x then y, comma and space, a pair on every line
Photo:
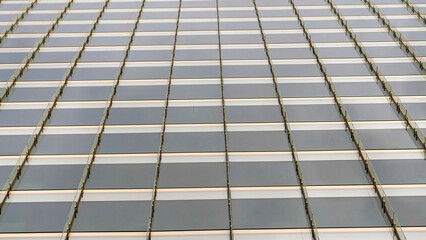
400, 171
51, 177
410, 210
333, 173
136, 116
191, 215
65, 144
251, 174
12, 145
34, 217
322, 140
194, 142
122, 176
347, 212
386, 139
141, 92
268, 213
112, 216
257, 141
91, 116
130, 143
10, 118
359, 112
31, 94
188, 175
194, 115
253, 114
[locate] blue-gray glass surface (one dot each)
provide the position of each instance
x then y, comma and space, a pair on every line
34, 217
400, 171
189, 175
112, 176
112, 216
64, 144
347, 212
333, 172
42, 177
268, 213
410, 210
20, 118
255, 174
191, 215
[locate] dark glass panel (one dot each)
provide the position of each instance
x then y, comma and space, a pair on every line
268, 213
303, 90
40, 177
34, 217
194, 142
14, 118
194, 115
141, 92
410, 210
371, 112
347, 212
86, 116
112, 216
86, 93
256, 174
249, 91
386, 139
130, 143
115, 176
312, 113
404, 171
191, 215
192, 175
64, 144
257, 141
241, 114
136, 116
322, 140
31, 94
12, 145
333, 173
195, 91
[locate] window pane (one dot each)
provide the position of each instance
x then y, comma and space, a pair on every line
189, 175
91, 116
404, 171
136, 116
12, 145
410, 210
121, 176
38, 177
141, 92
34, 217
31, 94
12, 118
313, 113
194, 142
130, 143
86, 93
370, 112
333, 173
241, 114
257, 141
347, 212
386, 139
194, 115
208, 91
322, 140
268, 213
65, 144
254, 174
191, 215
112, 216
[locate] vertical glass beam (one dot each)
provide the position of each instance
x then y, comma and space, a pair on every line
410, 7
225, 129
303, 189
163, 129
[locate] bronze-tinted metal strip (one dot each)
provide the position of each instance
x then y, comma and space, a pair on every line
225, 126
309, 214
163, 129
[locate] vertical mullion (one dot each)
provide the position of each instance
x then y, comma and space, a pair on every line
33, 140
16, 21
225, 128
86, 174
163, 129
309, 214
403, 43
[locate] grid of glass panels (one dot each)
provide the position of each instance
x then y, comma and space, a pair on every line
179, 75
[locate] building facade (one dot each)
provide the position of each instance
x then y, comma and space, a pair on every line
212, 119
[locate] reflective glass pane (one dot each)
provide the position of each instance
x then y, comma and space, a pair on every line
11, 118
65, 144
268, 213
254, 174
130, 143
34, 217
194, 142
410, 210
386, 139
333, 172
194, 115
404, 171
112, 216
191, 215
190, 175
257, 141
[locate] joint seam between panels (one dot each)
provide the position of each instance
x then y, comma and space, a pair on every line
225, 127
16, 21
163, 129
385, 86
86, 174
33, 140
403, 43
410, 7
388, 210
4, 92
310, 216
